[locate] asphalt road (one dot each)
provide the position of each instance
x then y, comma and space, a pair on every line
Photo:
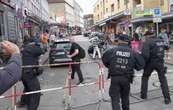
83, 98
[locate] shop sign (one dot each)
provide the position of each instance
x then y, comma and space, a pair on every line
145, 12
27, 25
157, 15
171, 5
157, 19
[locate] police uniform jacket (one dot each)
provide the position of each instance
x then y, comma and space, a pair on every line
121, 60
31, 54
153, 50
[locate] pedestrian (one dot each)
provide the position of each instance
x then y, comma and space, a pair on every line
37, 39
44, 39
139, 32
136, 43
153, 52
74, 54
163, 35
95, 43
121, 62
30, 56
12, 72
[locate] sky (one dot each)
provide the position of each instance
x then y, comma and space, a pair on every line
87, 5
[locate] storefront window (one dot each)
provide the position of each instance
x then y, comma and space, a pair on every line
112, 8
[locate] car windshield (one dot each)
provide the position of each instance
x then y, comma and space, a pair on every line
62, 45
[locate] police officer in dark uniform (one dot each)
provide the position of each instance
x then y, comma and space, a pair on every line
30, 56
121, 62
153, 52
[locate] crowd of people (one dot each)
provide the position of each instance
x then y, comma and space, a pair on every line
142, 51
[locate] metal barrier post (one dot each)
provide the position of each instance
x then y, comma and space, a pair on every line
68, 104
101, 86
65, 91
14, 98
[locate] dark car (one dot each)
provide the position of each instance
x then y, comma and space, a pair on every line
86, 34
59, 51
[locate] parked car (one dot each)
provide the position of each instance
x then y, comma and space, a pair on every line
86, 34
59, 51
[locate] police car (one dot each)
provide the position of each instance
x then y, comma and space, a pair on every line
59, 51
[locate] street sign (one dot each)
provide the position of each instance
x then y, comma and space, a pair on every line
157, 15
127, 12
157, 12
157, 19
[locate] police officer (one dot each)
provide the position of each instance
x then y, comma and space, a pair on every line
30, 56
121, 61
153, 52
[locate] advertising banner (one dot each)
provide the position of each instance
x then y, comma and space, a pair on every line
141, 13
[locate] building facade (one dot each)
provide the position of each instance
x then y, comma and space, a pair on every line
36, 15
21, 17
113, 16
8, 27
88, 21
67, 12
143, 14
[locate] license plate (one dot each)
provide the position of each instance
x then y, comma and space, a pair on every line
60, 53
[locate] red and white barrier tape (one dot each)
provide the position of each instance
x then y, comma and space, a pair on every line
46, 90
57, 64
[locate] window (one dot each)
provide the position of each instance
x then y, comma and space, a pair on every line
112, 8
137, 2
101, 4
118, 3
126, 2
97, 7
106, 10
161, 2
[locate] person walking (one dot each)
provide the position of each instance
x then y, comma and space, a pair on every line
153, 52
74, 54
121, 62
95, 42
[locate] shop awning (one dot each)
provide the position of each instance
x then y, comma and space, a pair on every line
167, 15
102, 24
142, 19
113, 17
150, 18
